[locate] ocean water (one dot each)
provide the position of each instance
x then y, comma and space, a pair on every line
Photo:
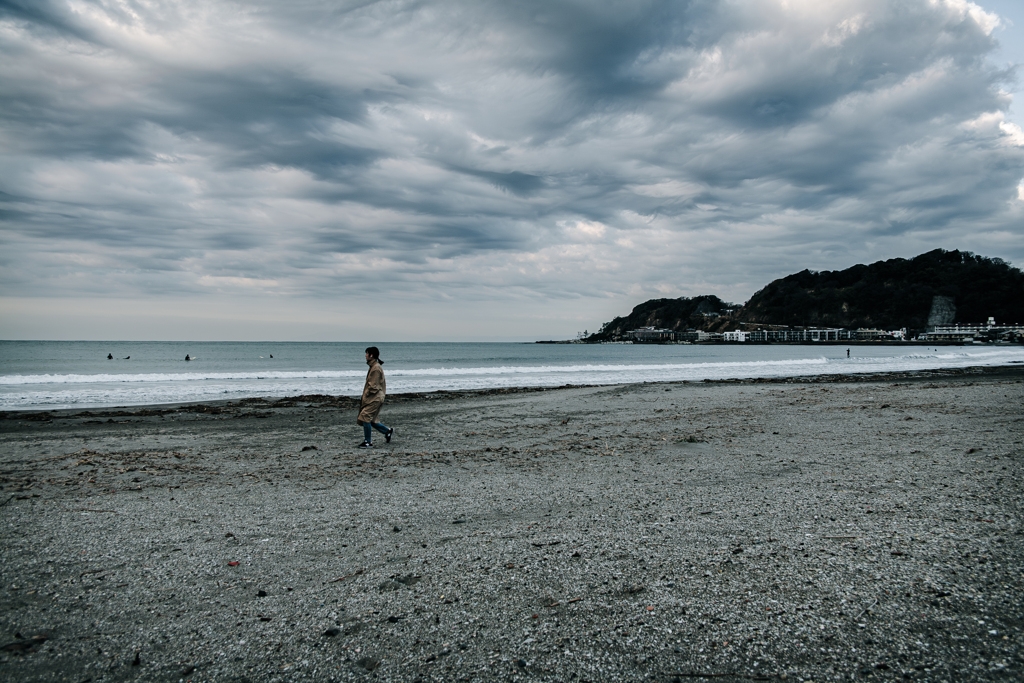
49, 374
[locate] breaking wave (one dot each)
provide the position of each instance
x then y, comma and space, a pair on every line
557, 366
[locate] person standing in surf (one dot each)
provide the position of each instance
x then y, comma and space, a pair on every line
372, 400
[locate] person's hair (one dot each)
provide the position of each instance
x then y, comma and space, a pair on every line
375, 352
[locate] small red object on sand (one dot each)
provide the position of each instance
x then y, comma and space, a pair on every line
232, 564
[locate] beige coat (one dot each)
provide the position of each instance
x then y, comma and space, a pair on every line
373, 394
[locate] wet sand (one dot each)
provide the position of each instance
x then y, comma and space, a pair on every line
822, 529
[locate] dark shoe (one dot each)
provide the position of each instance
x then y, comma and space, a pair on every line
388, 434
365, 444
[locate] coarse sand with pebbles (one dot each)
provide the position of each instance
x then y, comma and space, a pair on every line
825, 529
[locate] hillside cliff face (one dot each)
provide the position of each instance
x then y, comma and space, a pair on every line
938, 287
944, 286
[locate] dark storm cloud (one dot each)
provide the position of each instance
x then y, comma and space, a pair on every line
553, 148
262, 117
601, 48
522, 184
44, 17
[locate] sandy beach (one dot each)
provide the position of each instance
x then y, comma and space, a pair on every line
825, 529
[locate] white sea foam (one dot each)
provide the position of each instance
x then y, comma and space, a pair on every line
399, 372
173, 377
56, 390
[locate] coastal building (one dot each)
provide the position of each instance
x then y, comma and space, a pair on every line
866, 334
969, 333
651, 335
949, 333
812, 335
957, 333
828, 334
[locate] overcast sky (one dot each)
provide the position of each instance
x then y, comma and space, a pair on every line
418, 170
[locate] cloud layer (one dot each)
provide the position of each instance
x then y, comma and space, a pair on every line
453, 159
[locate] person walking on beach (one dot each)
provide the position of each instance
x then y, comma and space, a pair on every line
373, 399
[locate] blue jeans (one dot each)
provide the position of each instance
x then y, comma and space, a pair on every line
368, 432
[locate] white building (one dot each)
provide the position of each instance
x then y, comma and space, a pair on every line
967, 333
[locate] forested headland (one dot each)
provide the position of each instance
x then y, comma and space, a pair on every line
892, 294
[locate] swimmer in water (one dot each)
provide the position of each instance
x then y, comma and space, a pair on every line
187, 357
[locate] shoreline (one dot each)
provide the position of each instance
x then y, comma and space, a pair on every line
824, 342
1012, 370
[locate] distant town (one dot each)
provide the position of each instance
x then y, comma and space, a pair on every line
987, 333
